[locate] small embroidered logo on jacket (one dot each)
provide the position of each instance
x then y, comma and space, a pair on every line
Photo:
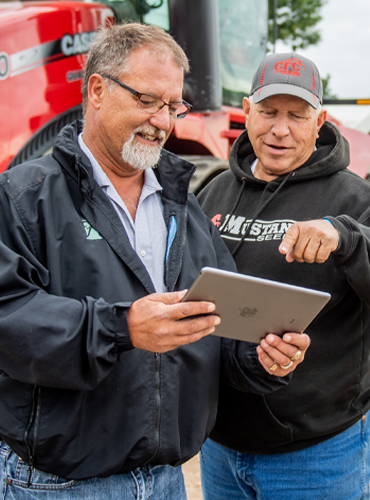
91, 233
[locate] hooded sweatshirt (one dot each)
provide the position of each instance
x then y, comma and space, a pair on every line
330, 390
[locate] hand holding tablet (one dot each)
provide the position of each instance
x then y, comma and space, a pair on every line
251, 307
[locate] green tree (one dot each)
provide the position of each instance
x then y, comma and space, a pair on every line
132, 10
296, 22
327, 92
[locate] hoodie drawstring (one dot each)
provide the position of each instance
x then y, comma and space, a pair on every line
259, 211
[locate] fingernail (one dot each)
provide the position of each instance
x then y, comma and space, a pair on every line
211, 307
217, 321
288, 338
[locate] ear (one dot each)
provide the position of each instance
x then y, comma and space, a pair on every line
97, 89
321, 120
246, 107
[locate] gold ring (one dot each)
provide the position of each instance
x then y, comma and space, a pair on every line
286, 366
297, 355
273, 367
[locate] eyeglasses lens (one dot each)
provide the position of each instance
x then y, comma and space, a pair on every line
151, 105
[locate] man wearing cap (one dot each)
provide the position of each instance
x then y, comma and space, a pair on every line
289, 210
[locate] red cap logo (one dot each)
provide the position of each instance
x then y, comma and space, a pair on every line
289, 67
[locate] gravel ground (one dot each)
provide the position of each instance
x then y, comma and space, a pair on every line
192, 479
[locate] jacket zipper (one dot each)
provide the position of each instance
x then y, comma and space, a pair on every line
34, 413
157, 358
172, 232
157, 366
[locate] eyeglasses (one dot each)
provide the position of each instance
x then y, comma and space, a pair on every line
150, 104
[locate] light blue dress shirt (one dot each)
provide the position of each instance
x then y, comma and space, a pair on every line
148, 232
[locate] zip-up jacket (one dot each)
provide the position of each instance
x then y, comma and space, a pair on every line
330, 390
76, 399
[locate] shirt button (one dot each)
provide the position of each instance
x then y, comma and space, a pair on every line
143, 253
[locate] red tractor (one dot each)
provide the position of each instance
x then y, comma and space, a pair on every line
43, 48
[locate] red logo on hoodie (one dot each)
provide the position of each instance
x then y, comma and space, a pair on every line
289, 67
216, 219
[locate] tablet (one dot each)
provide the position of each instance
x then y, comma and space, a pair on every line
251, 307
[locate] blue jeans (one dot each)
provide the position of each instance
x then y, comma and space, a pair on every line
18, 481
337, 469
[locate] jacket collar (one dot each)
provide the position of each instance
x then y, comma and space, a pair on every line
173, 173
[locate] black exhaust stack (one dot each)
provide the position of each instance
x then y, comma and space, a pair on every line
194, 24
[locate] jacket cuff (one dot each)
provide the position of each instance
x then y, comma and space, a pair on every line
123, 341
262, 381
259, 370
347, 243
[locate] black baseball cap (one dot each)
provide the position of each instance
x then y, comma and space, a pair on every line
290, 74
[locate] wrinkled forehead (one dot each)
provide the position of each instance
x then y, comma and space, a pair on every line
284, 102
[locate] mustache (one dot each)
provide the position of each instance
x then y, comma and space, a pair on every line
151, 131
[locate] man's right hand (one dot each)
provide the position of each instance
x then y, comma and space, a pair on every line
310, 241
154, 325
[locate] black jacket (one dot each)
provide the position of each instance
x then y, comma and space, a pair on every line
330, 390
76, 399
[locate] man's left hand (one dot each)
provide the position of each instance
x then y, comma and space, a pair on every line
281, 355
310, 241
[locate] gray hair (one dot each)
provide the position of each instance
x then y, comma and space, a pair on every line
113, 46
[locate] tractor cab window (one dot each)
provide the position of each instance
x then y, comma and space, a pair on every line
243, 38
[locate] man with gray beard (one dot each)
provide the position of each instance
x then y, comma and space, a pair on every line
142, 156
108, 382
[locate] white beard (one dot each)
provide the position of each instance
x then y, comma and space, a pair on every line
141, 156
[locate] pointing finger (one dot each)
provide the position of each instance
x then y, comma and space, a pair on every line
290, 239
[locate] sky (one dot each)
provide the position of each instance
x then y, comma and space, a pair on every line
344, 50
